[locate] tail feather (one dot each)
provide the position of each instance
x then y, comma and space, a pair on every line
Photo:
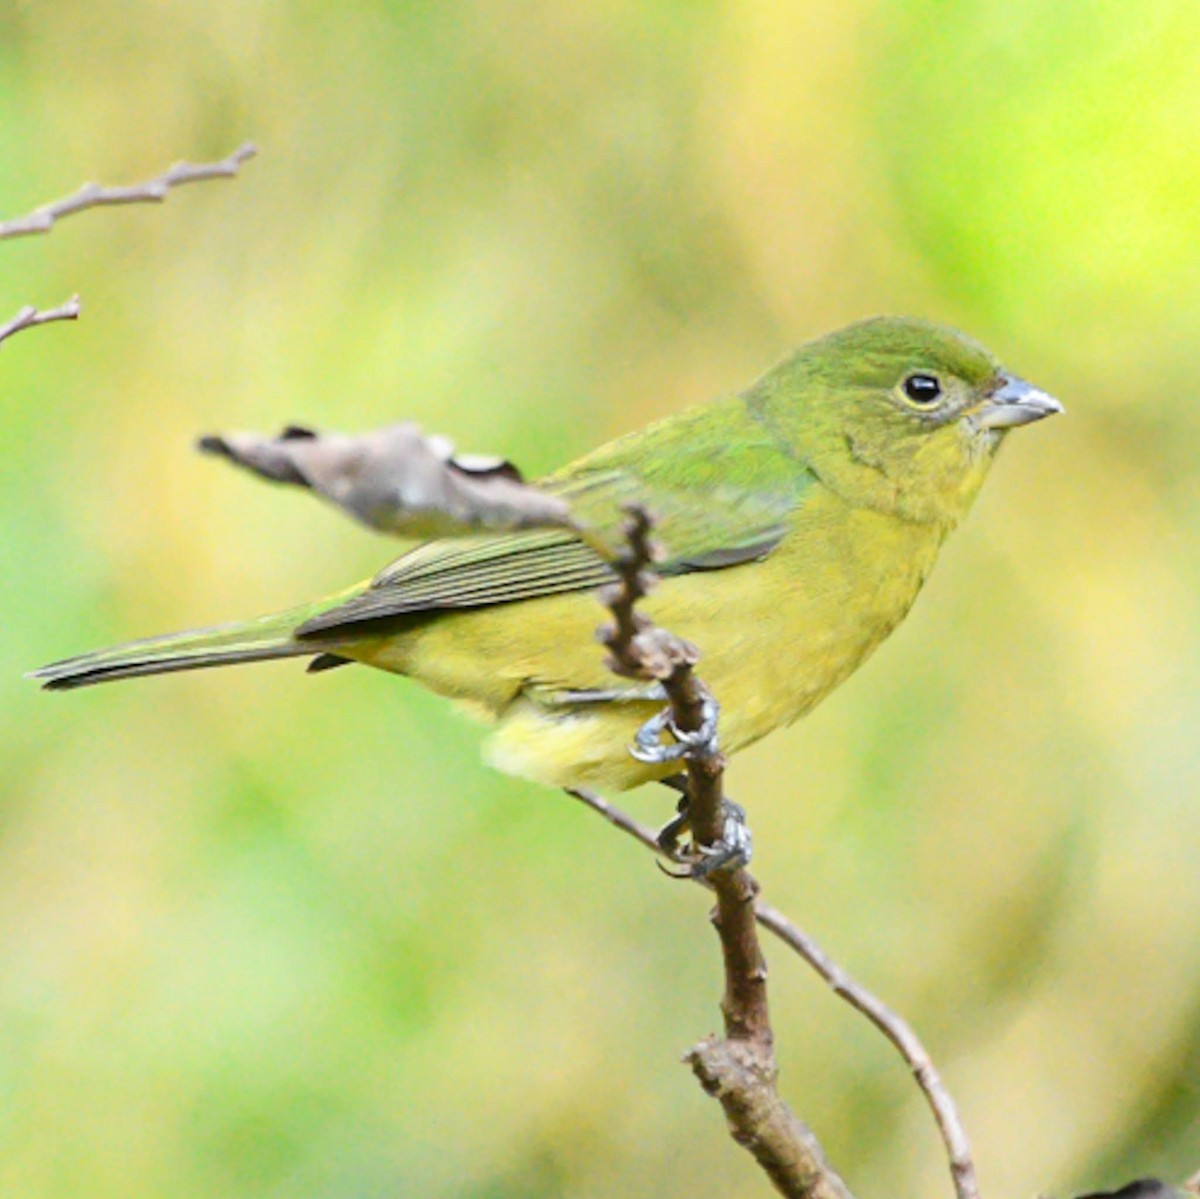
249, 641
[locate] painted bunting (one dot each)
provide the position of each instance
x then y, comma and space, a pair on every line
799, 520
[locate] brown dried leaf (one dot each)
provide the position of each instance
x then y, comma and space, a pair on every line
396, 479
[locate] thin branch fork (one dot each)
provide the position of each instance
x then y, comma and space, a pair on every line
152, 191
30, 317
891, 1024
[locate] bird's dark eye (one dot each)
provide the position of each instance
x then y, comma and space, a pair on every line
922, 389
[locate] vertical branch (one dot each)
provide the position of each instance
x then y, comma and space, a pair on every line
738, 1069
640, 650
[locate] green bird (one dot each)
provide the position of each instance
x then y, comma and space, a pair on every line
798, 519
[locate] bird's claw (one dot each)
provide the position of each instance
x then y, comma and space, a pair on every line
668, 836
733, 851
699, 743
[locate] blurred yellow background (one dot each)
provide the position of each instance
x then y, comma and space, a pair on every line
269, 935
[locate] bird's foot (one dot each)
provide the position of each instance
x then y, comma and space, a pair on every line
733, 851
701, 743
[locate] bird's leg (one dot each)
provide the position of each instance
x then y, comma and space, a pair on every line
732, 851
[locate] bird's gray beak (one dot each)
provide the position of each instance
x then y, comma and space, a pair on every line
1014, 403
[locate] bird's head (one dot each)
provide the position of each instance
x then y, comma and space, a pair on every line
899, 414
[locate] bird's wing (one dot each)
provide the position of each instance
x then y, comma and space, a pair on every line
714, 507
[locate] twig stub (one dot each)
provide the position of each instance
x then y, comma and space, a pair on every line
30, 317
737, 1075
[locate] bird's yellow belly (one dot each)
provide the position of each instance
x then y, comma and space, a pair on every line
775, 636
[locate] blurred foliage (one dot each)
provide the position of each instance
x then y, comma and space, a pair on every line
268, 935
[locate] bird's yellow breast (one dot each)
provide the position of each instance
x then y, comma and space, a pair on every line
776, 636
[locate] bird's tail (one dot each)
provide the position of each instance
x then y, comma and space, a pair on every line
248, 641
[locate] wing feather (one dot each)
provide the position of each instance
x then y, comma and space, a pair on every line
716, 504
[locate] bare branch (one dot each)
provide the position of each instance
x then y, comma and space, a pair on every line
899, 1032
153, 191
30, 318
635, 581
738, 1069
640, 650
892, 1025
396, 479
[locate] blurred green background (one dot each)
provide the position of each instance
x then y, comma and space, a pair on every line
269, 935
